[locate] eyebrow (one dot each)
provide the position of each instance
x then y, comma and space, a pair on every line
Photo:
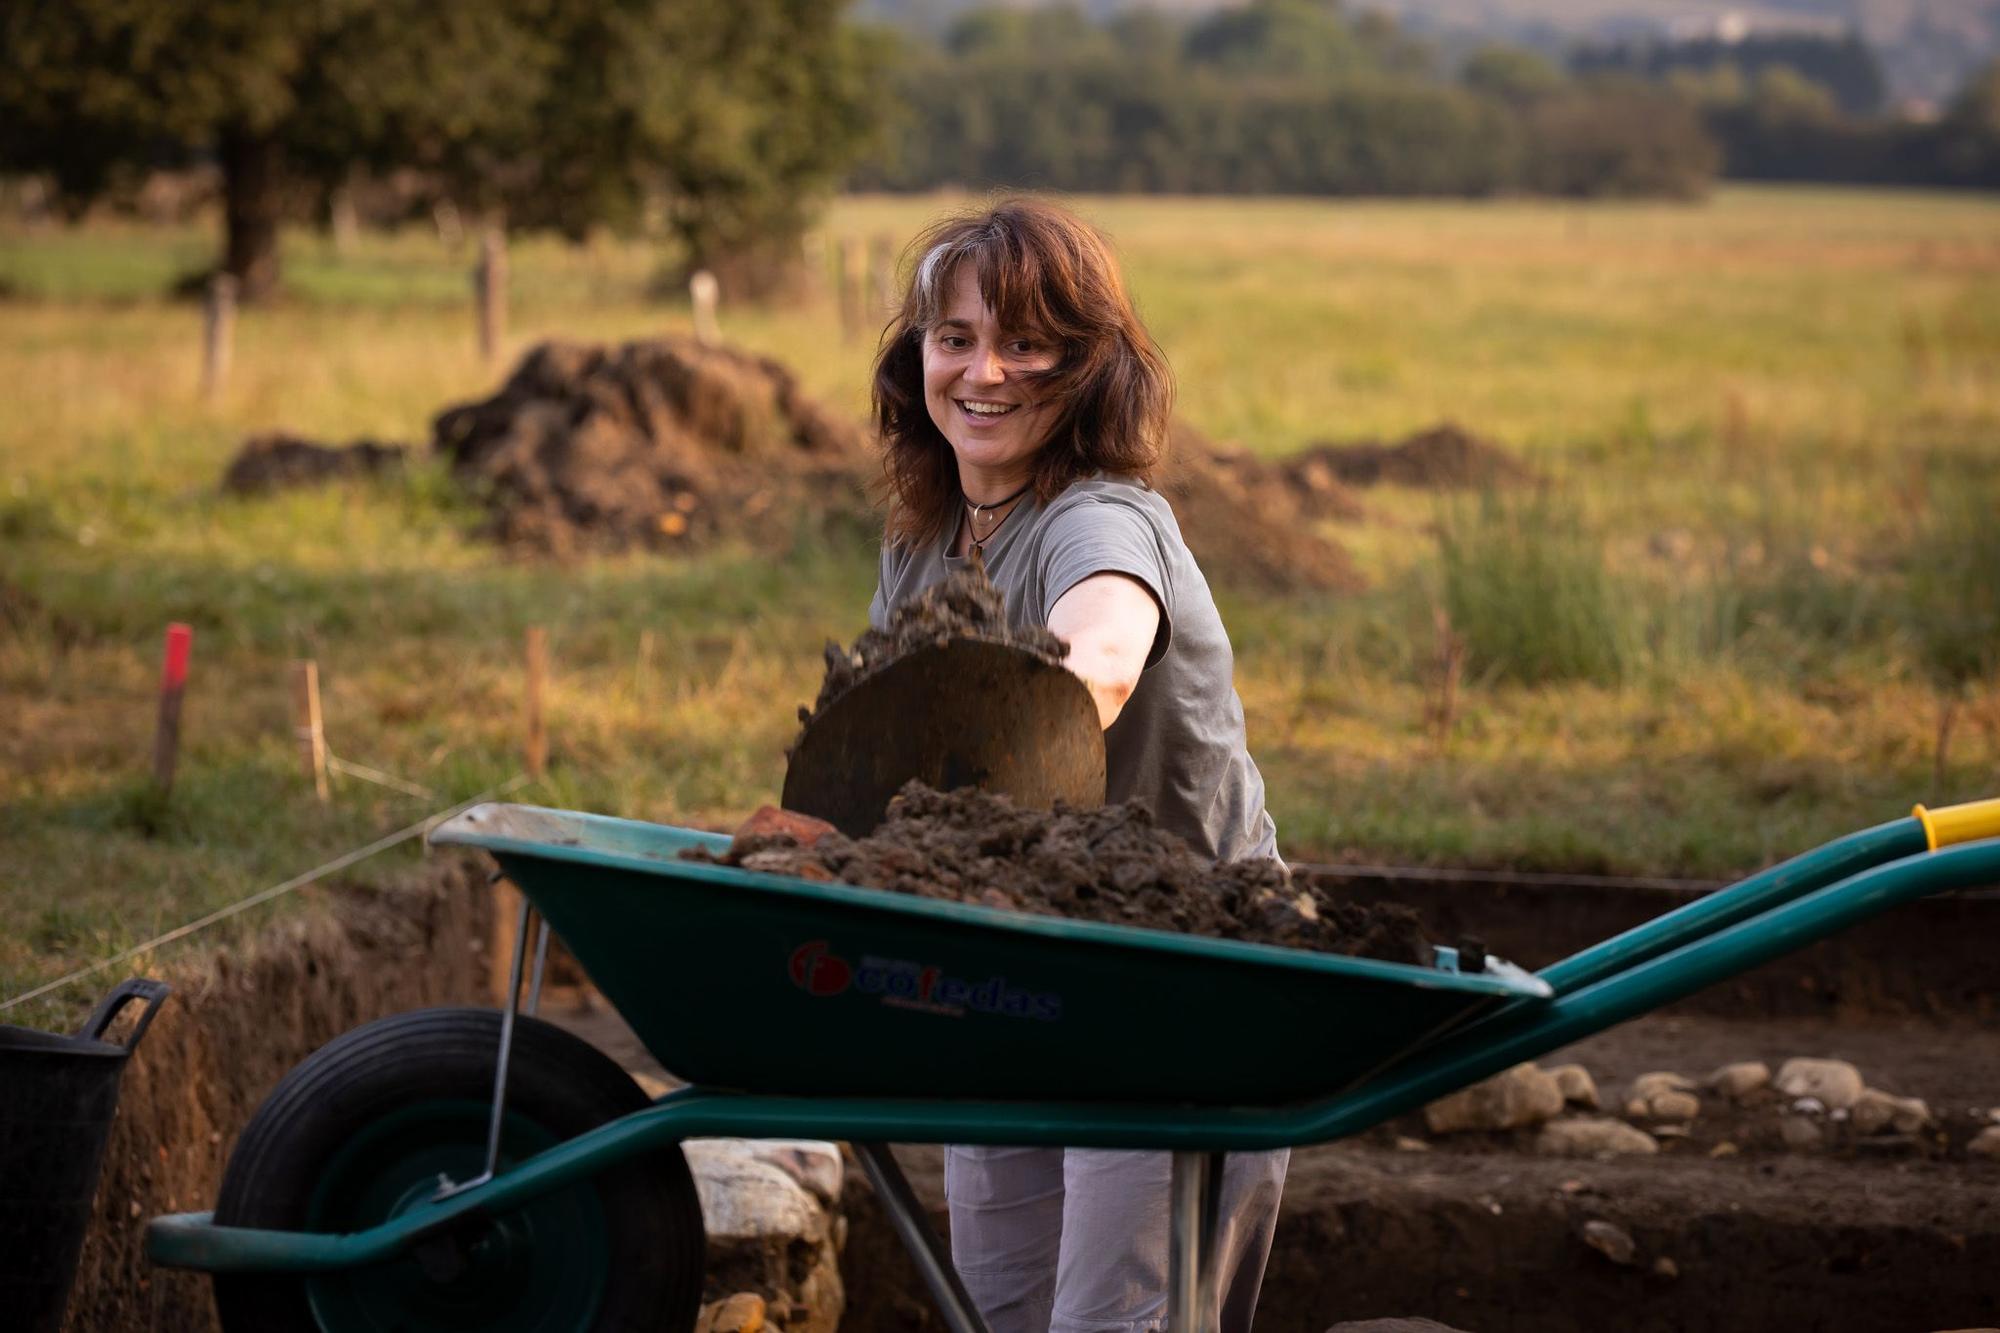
953, 324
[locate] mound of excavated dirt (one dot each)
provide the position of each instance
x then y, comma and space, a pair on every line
965, 606
1109, 864
279, 461
1246, 522
662, 443
1445, 457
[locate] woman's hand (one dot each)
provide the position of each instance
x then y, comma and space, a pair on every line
1110, 621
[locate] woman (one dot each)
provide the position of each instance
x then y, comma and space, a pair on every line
1023, 408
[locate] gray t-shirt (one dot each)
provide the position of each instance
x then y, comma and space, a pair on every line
1179, 740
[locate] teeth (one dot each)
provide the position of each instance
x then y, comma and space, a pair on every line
987, 409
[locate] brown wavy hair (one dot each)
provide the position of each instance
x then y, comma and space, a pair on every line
1046, 273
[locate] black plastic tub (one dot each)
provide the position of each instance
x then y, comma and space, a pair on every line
57, 1097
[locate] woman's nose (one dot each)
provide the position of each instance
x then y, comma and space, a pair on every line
985, 367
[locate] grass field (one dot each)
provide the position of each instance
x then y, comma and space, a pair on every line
1721, 633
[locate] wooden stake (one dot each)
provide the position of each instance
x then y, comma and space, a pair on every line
882, 266
342, 219
1451, 666
173, 683
534, 725
218, 334
489, 287
705, 292
307, 725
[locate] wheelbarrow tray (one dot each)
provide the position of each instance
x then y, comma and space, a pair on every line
739, 980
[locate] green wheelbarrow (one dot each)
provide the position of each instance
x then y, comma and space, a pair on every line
474, 1169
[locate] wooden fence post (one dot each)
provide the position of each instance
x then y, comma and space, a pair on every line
882, 263
307, 725
705, 292
173, 684
534, 723
218, 334
489, 286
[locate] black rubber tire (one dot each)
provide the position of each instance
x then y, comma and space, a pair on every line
562, 1084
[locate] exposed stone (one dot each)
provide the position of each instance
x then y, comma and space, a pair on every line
772, 821
742, 1313
1739, 1080
762, 1207
1674, 1106
1834, 1082
1578, 1087
1404, 1143
1665, 1267
1594, 1136
1877, 1111
1512, 1099
1647, 1086
1610, 1240
1724, 1149
1801, 1134
1662, 1096
1986, 1143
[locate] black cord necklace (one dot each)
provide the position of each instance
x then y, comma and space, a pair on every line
973, 511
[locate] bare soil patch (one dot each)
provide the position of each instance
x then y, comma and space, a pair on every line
663, 444
280, 461
1444, 457
1248, 523
1112, 864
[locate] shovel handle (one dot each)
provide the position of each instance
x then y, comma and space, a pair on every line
154, 993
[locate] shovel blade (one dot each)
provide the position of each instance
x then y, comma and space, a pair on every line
966, 712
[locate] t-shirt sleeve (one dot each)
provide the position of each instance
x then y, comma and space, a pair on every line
885, 578
1094, 537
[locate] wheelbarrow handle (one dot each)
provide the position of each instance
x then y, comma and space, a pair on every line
154, 993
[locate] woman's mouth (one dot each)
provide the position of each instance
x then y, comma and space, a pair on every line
982, 411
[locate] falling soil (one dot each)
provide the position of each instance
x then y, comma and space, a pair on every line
965, 605
1247, 522
279, 461
1445, 457
1111, 864
664, 443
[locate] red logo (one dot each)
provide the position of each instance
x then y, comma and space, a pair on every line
818, 972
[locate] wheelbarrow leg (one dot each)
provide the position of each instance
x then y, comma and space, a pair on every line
926, 1251
1196, 1202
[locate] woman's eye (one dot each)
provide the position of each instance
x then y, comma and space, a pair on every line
1023, 347
954, 342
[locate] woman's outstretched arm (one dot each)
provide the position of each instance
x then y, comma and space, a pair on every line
1110, 621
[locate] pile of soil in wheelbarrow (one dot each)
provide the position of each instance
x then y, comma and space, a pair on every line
665, 443
280, 461
1246, 523
1112, 864
1445, 457
965, 605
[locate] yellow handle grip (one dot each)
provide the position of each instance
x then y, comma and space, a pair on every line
1961, 823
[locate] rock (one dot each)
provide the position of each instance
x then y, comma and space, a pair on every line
1513, 1099
1578, 1087
1724, 1149
1665, 1267
1834, 1082
772, 822
1662, 1096
1404, 1143
1986, 1143
1876, 1111
1610, 1240
1801, 1134
763, 1205
1594, 1136
742, 1313
1739, 1080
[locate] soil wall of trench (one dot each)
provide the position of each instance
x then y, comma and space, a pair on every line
237, 1021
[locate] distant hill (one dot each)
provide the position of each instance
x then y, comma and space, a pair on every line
1928, 48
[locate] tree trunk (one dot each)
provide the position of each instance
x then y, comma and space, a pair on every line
252, 201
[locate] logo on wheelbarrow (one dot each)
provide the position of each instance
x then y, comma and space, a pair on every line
819, 972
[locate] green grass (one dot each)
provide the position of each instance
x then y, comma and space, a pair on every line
1769, 428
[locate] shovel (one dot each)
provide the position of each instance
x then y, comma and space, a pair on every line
962, 713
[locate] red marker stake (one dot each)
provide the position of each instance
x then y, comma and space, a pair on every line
173, 681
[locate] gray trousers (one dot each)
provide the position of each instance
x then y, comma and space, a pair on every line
1072, 1240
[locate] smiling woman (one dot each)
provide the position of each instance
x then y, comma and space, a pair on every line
1023, 408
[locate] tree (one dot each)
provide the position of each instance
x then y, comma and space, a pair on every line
565, 113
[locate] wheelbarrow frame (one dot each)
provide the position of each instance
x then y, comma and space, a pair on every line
1763, 917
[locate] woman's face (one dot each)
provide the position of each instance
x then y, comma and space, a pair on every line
975, 392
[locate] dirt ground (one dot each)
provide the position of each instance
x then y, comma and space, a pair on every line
1444, 457
279, 461
1109, 864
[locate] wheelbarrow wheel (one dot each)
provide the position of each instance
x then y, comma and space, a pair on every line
361, 1132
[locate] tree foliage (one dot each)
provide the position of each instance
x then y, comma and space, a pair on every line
561, 113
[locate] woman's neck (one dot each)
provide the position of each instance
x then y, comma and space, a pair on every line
983, 487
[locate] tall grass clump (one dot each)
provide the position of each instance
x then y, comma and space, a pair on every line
1952, 593
1527, 591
